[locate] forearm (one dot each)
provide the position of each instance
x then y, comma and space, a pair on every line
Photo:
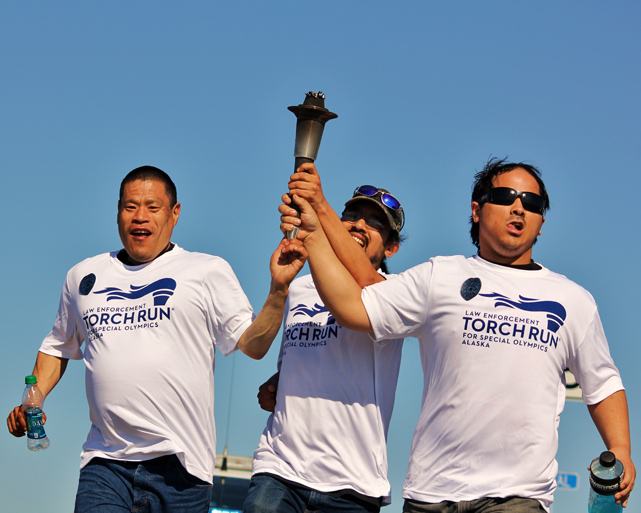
611, 419
339, 291
48, 370
348, 251
258, 337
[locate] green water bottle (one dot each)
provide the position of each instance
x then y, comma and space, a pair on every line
32, 401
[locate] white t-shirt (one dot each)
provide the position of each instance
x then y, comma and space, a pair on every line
334, 403
150, 333
494, 343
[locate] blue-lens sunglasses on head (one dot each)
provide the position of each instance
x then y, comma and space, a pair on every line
386, 198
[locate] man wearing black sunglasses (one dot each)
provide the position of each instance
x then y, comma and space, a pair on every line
324, 446
520, 212
496, 333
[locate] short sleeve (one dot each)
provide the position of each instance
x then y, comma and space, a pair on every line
230, 312
66, 336
593, 366
397, 307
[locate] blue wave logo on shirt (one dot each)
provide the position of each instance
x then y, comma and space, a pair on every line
303, 309
162, 290
555, 311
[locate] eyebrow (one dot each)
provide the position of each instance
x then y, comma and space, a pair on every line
146, 202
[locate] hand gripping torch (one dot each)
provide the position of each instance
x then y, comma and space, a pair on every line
311, 117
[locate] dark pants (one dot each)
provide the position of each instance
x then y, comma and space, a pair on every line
484, 505
160, 485
267, 494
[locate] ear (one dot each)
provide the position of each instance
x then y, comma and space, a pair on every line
476, 209
175, 212
118, 214
391, 249
542, 222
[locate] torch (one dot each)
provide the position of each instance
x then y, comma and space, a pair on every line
311, 117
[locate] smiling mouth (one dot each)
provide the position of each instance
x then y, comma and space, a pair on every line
361, 240
140, 233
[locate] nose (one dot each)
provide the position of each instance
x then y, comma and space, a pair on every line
140, 215
361, 224
517, 207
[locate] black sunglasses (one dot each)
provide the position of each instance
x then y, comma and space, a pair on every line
352, 216
370, 191
506, 196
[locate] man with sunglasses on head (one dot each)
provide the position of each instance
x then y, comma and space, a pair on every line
496, 333
324, 446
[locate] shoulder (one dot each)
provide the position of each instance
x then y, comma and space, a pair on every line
204, 261
212, 272
302, 284
448, 260
568, 287
92, 263
436, 263
82, 276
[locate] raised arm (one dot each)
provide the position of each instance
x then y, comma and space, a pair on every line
611, 419
306, 184
284, 266
48, 370
337, 288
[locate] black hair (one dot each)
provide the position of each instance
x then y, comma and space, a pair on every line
151, 173
484, 179
394, 237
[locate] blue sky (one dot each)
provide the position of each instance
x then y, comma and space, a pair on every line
425, 93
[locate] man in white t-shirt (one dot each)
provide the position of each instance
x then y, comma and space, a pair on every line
496, 333
324, 446
151, 316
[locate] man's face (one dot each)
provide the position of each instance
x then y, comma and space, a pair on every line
146, 219
507, 232
372, 240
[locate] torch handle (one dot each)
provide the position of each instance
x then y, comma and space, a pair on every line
298, 161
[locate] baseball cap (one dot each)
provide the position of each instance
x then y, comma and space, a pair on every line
388, 204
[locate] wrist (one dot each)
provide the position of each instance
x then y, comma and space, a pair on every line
314, 237
322, 208
278, 291
620, 451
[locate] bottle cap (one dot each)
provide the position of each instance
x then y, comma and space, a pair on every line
607, 459
30, 380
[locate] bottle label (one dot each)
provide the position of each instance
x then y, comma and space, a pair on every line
603, 489
35, 424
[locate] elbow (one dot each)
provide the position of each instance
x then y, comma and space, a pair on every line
352, 324
369, 279
250, 350
255, 355
367, 282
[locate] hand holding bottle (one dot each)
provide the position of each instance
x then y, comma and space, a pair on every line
29, 418
605, 475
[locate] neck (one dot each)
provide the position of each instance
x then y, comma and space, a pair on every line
528, 266
126, 259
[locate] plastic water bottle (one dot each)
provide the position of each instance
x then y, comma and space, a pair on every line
32, 400
605, 475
